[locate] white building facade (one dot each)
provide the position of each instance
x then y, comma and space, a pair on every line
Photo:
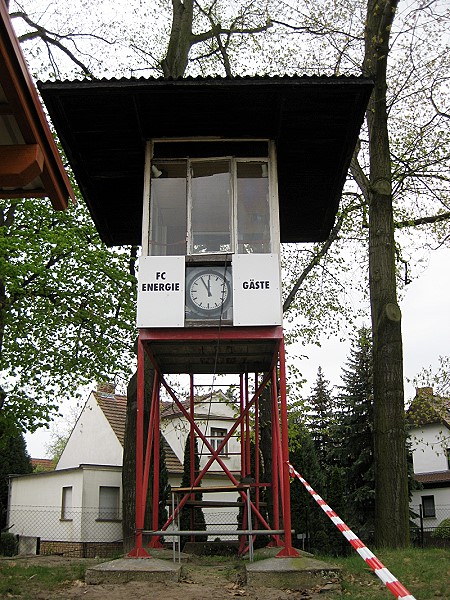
429, 437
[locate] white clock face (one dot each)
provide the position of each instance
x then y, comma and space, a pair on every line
208, 291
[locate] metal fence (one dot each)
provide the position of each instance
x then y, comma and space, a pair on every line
81, 532
85, 532
430, 528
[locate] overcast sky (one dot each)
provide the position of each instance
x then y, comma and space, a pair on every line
425, 327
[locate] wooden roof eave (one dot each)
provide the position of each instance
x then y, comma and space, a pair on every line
24, 105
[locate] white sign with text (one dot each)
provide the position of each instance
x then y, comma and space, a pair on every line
256, 289
160, 301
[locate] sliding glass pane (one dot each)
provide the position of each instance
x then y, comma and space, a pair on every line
253, 213
211, 207
168, 211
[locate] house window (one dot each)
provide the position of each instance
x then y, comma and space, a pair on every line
447, 453
66, 504
109, 503
428, 507
217, 436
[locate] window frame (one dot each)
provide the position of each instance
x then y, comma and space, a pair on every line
428, 512
66, 508
215, 439
113, 513
233, 208
232, 218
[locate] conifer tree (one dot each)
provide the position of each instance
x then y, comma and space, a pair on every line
321, 416
129, 465
354, 433
305, 517
14, 460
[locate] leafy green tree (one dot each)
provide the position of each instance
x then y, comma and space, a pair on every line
305, 516
15, 460
192, 517
398, 158
66, 310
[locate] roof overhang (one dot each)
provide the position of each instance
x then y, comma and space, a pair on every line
103, 126
30, 165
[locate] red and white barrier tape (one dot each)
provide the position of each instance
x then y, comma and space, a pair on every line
391, 582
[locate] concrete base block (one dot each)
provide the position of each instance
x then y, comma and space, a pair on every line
291, 573
123, 570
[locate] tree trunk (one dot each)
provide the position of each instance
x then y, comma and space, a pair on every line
391, 485
129, 459
175, 62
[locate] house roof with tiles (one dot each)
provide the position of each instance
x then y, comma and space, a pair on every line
428, 408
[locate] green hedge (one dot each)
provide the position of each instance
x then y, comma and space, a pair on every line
8, 544
442, 531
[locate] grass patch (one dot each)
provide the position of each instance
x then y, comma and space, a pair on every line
25, 581
424, 572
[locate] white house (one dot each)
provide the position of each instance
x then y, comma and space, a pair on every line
429, 435
76, 509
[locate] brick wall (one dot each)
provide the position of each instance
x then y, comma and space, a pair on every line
82, 549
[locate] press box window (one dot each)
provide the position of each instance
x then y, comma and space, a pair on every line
253, 208
214, 206
109, 503
210, 207
168, 217
428, 507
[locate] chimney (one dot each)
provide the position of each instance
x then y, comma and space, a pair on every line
106, 387
424, 392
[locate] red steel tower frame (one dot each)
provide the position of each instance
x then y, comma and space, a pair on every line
238, 340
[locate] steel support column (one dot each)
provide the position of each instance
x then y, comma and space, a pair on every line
288, 549
138, 550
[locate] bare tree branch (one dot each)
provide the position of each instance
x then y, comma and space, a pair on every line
49, 38
318, 256
358, 174
422, 220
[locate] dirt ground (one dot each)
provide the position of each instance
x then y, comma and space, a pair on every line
198, 582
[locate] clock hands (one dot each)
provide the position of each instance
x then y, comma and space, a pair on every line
207, 285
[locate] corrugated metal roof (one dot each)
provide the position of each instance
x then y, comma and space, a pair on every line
103, 125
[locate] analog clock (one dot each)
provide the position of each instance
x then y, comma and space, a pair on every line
208, 292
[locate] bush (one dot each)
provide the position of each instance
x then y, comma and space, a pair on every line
8, 544
442, 531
